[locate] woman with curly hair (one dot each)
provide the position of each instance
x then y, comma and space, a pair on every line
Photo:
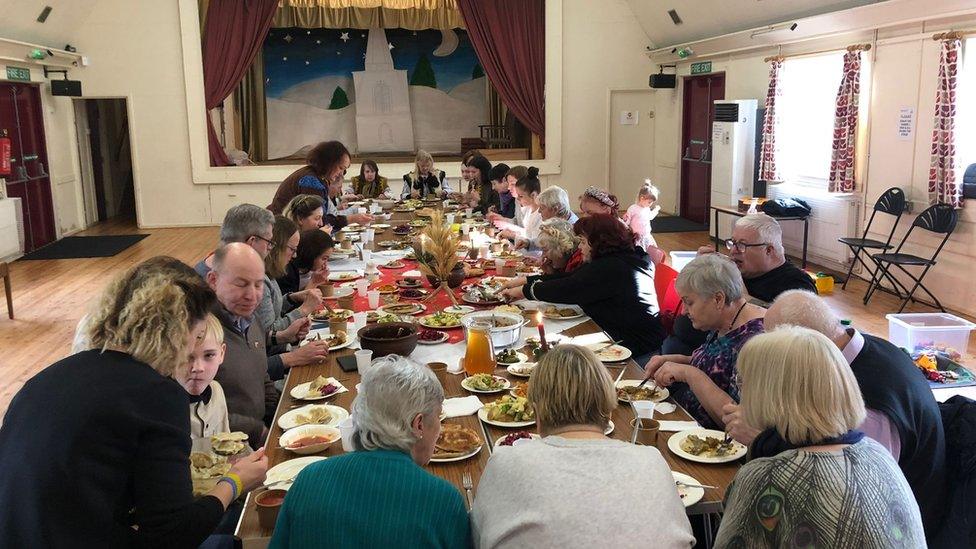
110, 427
614, 285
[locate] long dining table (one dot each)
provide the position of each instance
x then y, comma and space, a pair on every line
254, 536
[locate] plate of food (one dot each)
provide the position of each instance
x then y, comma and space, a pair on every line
627, 391
610, 353
705, 446
312, 414
418, 223
456, 443
485, 384
402, 230
352, 227
403, 209
413, 293
386, 244
324, 315
516, 438
339, 340
381, 317
395, 264
205, 471
459, 309
380, 226
528, 270
317, 389
521, 369
520, 389
283, 475
441, 320
431, 337
561, 313
481, 297
508, 411
688, 488
387, 288
409, 283
309, 439
228, 444
344, 276
404, 308
470, 272
509, 308
510, 356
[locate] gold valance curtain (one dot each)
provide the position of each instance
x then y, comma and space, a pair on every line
365, 14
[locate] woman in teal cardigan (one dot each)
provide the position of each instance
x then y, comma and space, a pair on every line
380, 495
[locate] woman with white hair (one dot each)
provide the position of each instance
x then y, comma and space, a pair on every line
714, 297
554, 202
818, 482
380, 495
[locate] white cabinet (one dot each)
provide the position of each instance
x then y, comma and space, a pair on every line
11, 229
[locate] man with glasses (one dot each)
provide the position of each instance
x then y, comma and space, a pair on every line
246, 223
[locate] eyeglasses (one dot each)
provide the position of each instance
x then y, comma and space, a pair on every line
741, 246
271, 244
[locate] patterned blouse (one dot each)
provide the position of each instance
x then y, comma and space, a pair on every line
716, 357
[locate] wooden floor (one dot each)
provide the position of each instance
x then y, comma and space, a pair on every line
51, 296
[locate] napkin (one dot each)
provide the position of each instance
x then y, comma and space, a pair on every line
461, 406
676, 426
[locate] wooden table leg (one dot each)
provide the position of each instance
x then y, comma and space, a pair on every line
5, 273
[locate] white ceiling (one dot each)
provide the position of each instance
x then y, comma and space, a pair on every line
20, 20
709, 18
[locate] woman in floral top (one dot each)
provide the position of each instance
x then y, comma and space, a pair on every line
713, 294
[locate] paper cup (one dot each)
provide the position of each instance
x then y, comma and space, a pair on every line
440, 370
364, 359
327, 289
337, 325
449, 218
374, 298
369, 235
346, 430
345, 301
367, 256
362, 285
485, 251
645, 432
359, 319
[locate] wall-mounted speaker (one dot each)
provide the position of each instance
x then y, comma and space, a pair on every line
663, 81
70, 88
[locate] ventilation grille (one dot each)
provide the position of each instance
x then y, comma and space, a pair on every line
727, 112
675, 18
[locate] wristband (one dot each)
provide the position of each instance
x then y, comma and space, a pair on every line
235, 482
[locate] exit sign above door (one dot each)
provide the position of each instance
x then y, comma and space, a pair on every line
702, 67
18, 74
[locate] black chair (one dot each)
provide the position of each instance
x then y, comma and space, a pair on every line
938, 219
892, 202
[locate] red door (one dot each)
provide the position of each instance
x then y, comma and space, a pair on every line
20, 117
700, 93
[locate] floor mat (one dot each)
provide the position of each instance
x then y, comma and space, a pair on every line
78, 247
675, 224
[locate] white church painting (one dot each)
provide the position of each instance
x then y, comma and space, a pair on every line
383, 122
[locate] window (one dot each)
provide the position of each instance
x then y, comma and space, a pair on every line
805, 117
966, 109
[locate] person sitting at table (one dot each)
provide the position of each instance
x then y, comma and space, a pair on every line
576, 477
247, 223
95, 448
527, 216
307, 212
424, 180
480, 194
598, 201
714, 297
756, 248
614, 285
506, 204
560, 251
369, 183
902, 413
380, 495
337, 215
325, 164
309, 268
814, 479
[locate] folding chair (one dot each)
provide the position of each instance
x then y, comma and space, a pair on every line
938, 219
892, 202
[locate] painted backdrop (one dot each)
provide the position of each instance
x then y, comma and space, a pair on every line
419, 89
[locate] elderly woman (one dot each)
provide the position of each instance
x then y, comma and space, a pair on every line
714, 297
306, 211
614, 285
380, 495
326, 163
560, 251
95, 448
554, 202
369, 183
573, 397
310, 265
598, 201
819, 483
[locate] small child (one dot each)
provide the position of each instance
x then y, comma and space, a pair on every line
640, 214
208, 407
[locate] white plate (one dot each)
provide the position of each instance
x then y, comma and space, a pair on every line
338, 276
521, 360
470, 454
483, 416
300, 391
287, 420
689, 496
336, 309
464, 384
579, 314
423, 322
614, 353
444, 337
400, 266
610, 427
421, 309
499, 440
288, 470
459, 309
292, 435
380, 226
514, 369
674, 444
662, 392
325, 332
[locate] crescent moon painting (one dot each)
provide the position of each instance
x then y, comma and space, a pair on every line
449, 43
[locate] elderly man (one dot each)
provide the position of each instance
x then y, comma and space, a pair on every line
245, 223
237, 278
902, 414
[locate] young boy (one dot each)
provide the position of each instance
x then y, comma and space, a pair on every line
208, 408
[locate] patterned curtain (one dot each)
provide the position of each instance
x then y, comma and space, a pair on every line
942, 171
767, 166
841, 179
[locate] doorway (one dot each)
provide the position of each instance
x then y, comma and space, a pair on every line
631, 142
700, 94
21, 122
106, 159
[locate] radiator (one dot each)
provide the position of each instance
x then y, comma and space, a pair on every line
831, 218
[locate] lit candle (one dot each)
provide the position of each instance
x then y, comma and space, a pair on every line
542, 331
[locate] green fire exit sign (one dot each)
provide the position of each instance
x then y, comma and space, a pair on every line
18, 73
703, 67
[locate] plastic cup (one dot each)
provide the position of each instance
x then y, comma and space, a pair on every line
449, 218
374, 298
367, 255
359, 319
485, 251
465, 228
364, 359
361, 209
346, 430
643, 408
362, 285
368, 235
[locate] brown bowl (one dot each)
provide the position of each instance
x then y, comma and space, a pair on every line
389, 338
268, 504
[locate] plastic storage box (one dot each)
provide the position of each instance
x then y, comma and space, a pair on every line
918, 330
680, 259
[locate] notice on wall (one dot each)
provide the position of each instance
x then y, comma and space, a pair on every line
628, 118
906, 123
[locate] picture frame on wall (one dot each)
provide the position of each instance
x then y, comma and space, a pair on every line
3, 188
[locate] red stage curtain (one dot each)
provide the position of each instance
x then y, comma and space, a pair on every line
233, 35
516, 66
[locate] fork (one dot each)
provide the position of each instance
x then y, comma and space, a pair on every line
468, 485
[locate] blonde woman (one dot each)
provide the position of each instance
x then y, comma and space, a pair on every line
813, 479
424, 180
575, 477
95, 448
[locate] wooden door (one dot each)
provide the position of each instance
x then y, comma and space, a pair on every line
20, 116
700, 93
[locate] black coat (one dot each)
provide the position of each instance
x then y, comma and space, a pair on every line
959, 523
